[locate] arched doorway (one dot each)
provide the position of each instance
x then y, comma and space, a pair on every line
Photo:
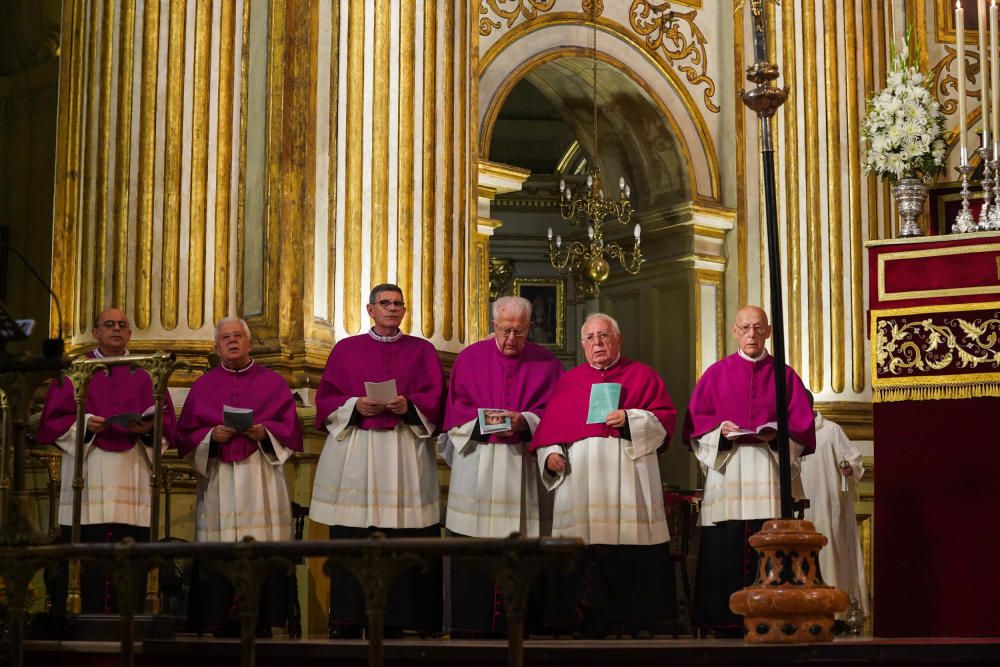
536, 112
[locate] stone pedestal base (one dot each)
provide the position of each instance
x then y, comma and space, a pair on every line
789, 602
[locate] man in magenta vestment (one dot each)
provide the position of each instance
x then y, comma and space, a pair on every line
241, 484
494, 486
605, 471
116, 493
377, 471
742, 487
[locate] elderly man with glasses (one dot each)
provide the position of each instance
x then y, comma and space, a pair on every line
237, 429
729, 428
116, 494
598, 446
378, 470
494, 488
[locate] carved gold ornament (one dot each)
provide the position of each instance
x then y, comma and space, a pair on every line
509, 10
675, 35
944, 84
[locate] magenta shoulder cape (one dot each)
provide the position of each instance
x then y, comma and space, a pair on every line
107, 395
566, 415
258, 388
413, 362
483, 377
742, 391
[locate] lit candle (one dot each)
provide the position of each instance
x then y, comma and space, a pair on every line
569, 194
960, 56
627, 192
550, 233
621, 182
995, 74
562, 185
984, 72
559, 241
590, 180
637, 232
590, 232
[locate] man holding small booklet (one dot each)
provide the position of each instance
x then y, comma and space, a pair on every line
730, 427
119, 423
497, 392
237, 428
380, 400
598, 446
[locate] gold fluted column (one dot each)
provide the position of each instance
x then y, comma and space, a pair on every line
235, 176
428, 184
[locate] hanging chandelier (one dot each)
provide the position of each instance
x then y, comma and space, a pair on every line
589, 259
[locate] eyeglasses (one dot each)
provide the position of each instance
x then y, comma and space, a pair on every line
592, 338
516, 333
385, 303
757, 329
110, 324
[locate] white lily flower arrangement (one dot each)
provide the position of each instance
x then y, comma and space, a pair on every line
904, 129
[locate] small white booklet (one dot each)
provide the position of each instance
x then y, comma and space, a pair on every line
762, 430
493, 420
240, 419
126, 419
383, 392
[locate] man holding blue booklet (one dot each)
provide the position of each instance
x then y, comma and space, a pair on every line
498, 390
598, 446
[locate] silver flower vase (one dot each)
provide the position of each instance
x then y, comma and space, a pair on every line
909, 194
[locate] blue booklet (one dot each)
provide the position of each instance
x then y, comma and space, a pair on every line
603, 401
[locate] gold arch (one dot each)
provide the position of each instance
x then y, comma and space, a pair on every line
615, 30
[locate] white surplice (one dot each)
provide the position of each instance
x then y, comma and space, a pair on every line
494, 488
248, 497
386, 479
115, 484
741, 483
610, 492
831, 508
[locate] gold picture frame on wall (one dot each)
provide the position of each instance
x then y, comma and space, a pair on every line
548, 310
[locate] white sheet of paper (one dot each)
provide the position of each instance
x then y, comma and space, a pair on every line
383, 392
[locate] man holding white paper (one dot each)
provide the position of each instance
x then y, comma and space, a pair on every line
728, 430
378, 469
241, 483
598, 446
116, 494
496, 395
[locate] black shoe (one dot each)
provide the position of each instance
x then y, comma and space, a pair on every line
641, 633
345, 632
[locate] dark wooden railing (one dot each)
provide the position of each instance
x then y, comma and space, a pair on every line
513, 562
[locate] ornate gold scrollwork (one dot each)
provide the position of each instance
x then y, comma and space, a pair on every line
923, 345
529, 8
944, 84
664, 33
